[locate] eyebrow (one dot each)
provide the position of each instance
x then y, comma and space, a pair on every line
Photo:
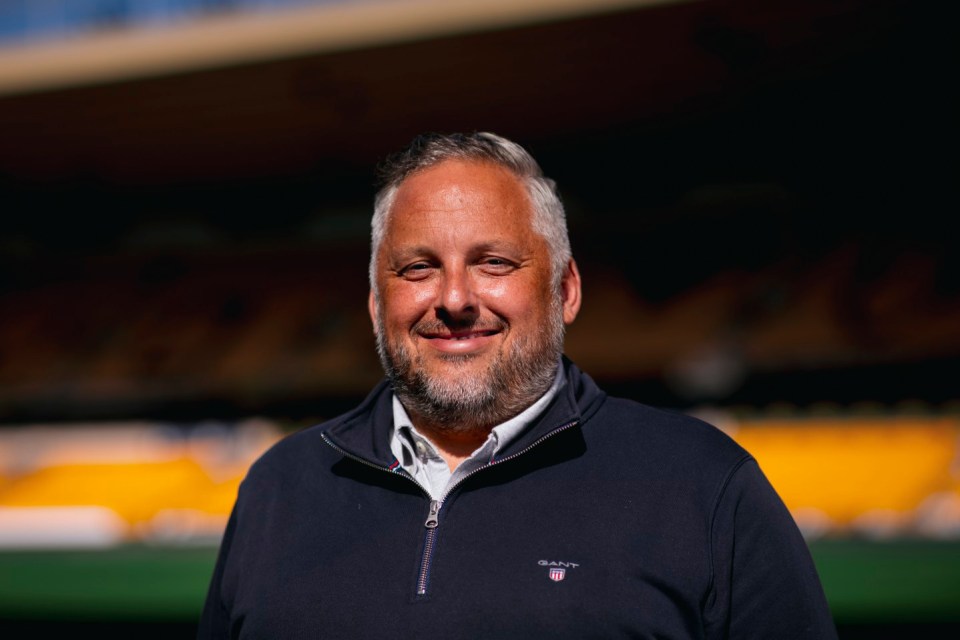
406, 253
421, 249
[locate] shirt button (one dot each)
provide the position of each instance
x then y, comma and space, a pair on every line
421, 449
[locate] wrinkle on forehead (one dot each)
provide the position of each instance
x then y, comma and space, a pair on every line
456, 185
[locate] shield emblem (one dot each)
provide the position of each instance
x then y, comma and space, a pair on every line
557, 573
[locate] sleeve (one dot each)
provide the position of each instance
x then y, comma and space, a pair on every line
765, 584
215, 618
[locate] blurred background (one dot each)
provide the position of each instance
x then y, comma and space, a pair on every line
759, 196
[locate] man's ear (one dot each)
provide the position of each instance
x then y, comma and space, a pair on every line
570, 290
372, 309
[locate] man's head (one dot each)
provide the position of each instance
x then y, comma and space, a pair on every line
471, 279
428, 150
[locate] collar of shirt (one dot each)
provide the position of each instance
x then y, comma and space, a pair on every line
423, 462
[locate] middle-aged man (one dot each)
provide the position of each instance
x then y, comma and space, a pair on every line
488, 488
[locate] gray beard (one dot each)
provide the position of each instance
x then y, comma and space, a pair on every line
464, 404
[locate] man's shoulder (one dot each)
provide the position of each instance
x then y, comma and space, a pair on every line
677, 421
666, 433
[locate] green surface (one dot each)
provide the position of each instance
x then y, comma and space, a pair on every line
126, 583
900, 581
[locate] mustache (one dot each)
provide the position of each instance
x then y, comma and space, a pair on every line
434, 325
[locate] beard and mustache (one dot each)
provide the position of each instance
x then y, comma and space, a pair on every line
469, 401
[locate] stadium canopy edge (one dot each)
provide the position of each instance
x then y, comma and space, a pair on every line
241, 38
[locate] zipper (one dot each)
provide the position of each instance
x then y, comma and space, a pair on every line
433, 521
433, 518
433, 515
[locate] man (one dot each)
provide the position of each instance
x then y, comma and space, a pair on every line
488, 488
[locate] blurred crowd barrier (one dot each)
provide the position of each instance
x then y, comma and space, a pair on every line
873, 477
88, 486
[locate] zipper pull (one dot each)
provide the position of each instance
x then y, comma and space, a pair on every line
433, 518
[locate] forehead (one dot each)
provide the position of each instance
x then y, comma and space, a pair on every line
457, 194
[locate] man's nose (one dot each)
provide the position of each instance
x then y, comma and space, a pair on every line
457, 294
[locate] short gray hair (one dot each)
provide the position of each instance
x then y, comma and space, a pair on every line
427, 150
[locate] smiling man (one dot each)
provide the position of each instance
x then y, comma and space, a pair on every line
488, 488
467, 310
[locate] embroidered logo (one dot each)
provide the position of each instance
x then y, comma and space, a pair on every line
557, 570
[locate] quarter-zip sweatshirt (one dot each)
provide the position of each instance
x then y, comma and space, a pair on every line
606, 518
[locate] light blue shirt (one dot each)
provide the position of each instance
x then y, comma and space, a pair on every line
420, 458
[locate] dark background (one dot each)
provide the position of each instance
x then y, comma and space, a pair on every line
759, 197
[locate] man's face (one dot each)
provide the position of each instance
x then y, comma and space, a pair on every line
469, 325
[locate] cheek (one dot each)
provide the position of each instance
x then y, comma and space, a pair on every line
497, 289
406, 304
518, 300
420, 296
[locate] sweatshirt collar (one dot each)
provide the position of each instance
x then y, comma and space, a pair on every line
366, 431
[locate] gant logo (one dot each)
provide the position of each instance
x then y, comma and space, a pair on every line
557, 569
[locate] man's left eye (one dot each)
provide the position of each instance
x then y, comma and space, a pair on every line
416, 271
497, 264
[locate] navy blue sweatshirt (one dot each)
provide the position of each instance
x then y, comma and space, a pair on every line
605, 519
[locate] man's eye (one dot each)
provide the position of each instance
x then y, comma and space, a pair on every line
415, 270
498, 265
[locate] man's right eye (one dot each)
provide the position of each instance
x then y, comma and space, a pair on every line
416, 271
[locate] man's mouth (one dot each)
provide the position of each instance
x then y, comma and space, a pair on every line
459, 341
460, 335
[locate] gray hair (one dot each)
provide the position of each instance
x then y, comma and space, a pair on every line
427, 150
